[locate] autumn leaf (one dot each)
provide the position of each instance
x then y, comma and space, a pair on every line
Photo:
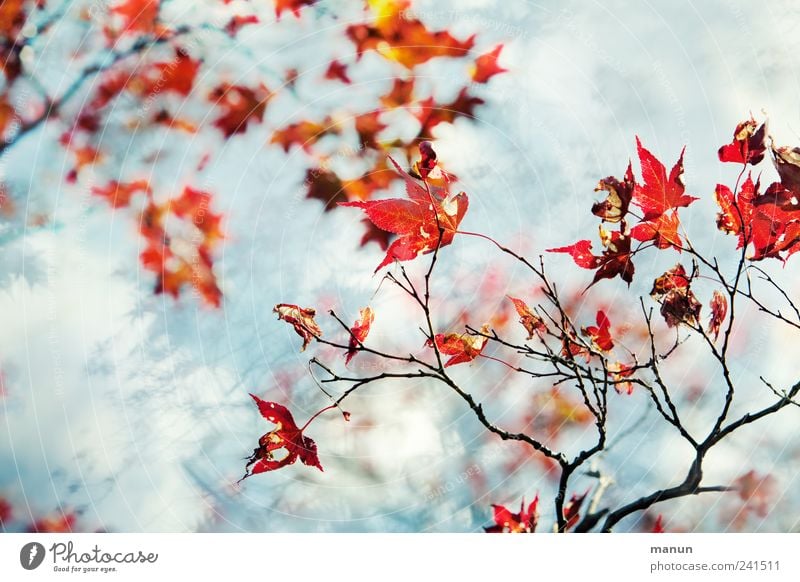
619, 374
486, 66
770, 221
6, 512
337, 71
303, 133
431, 113
505, 521
240, 105
138, 16
400, 95
678, 302
615, 260
736, 212
60, 522
748, 145
658, 525
302, 319
294, 5
615, 207
601, 333
183, 257
572, 510
660, 192
368, 126
719, 309
417, 220
237, 22
118, 195
285, 436
663, 231
359, 332
787, 163
325, 186
406, 40
532, 323
462, 347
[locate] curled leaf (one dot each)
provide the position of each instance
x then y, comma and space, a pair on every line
302, 319
719, 309
529, 320
359, 332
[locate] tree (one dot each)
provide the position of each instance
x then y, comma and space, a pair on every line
153, 96
638, 215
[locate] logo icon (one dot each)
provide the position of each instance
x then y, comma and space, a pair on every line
31, 555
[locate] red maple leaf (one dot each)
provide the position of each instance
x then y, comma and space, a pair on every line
601, 333
294, 5
398, 37
60, 522
615, 260
719, 309
417, 220
400, 95
663, 231
240, 105
119, 195
529, 320
505, 521
572, 509
462, 347
338, 70
285, 436
748, 145
301, 319
237, 22
137, 15
432, 113
619, 372
359, 332
368, 126
304, 133
486, 65
6, 512
660, 192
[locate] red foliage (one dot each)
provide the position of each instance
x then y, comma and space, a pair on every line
359, 332
486, 65
505, 521
748, 144
301, 319
285, 436
461, 347
601, 333
529, 320
240, 105
427, 220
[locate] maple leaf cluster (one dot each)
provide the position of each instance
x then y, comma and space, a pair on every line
658, 198
393, 33
766, 223
527, 519
423, 223
179, 235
